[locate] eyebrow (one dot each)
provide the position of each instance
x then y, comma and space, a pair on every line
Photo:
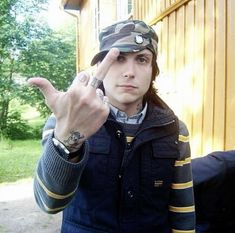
144, 54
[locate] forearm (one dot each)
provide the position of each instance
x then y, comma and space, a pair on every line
182, 209
56, 179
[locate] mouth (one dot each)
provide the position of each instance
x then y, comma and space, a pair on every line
127, 86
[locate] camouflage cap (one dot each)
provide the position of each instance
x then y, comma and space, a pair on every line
127, 36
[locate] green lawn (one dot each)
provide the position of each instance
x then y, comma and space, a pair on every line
18, 159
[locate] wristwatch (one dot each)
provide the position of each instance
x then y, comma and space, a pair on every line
64, 152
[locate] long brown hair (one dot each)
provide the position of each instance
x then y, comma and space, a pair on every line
151, 94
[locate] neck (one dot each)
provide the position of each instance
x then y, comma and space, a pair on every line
131, 109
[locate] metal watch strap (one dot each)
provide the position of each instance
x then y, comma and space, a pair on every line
65, 153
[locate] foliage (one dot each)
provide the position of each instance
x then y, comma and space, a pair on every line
28, 47
19, 129
16, 127
54, 60
18, 27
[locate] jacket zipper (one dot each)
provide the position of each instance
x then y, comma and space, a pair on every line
128, 148
129, 145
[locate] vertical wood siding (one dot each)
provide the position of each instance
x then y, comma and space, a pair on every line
88, 41
196, 57
230, 71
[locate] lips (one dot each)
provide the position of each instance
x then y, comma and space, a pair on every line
127, 86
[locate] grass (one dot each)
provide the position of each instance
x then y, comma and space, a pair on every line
18, 159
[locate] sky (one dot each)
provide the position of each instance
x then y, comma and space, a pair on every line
56, 16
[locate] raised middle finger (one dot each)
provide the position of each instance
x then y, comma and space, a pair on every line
103, 68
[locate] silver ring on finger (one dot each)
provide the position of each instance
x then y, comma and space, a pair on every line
95, 83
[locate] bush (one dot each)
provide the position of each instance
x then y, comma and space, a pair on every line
36, 131
19, 129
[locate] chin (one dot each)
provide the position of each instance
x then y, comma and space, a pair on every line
127, 101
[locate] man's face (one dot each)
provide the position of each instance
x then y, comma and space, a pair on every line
128, 79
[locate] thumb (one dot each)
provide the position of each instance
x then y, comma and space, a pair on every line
44, 86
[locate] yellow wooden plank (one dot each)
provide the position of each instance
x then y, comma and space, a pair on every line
230, 97
208, 101
158, 6
179, 63
164, 45
220, 76
166, 11
163, 5
167, 3
171, 52
189, 72
140, 5
86, 38
197, 101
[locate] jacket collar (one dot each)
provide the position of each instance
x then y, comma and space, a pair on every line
123, 118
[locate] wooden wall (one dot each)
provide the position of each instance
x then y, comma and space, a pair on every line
88, 41
196, 58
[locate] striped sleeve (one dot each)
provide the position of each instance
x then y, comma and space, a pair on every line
182, 209
56, 179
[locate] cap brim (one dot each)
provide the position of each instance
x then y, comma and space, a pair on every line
98, 57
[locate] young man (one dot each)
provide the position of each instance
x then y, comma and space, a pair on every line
116, 159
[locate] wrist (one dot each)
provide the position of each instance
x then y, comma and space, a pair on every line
72, 141
64, 152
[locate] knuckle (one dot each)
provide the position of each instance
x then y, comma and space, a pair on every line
84, 100
71, 94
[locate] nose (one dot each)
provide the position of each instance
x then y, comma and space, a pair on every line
129, 70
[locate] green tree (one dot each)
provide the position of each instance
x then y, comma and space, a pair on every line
18, 27
28, 47
52, 57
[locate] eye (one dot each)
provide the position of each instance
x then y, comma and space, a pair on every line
142, 59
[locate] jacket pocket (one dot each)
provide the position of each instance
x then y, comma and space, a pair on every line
162, 163
95, 175
158, 170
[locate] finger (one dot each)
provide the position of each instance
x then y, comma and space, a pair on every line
83, 77
106, 63
100, 94
44, 86
106, 100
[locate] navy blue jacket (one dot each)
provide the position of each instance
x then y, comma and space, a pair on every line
118, 187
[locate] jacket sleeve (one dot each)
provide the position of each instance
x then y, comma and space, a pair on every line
56, 179
182, 209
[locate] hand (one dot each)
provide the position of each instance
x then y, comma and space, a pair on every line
82, 109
